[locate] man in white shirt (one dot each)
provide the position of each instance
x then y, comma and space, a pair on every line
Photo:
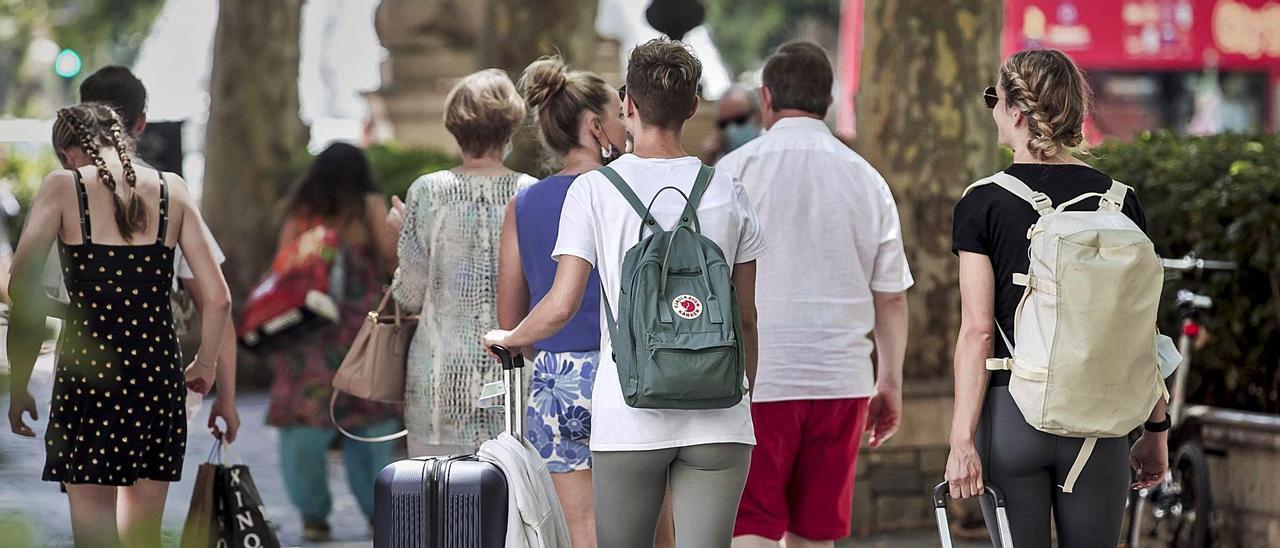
703, 454
118, 88
837, 273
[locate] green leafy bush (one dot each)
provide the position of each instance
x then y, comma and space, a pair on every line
23, 172
395, 167
1218, 197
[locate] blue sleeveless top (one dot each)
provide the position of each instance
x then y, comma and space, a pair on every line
537, 227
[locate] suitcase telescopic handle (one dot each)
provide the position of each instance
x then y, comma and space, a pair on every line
942, 491
513, 379
509, 361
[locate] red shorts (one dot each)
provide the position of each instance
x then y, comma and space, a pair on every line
802, 469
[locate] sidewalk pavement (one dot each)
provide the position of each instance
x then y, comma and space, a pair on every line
43, 508
35, 513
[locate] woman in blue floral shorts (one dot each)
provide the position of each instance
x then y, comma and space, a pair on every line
580, 123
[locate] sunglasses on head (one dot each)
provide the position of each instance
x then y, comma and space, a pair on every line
989, 95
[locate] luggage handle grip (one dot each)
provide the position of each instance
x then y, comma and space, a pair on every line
513, 381
509, 360
943, 490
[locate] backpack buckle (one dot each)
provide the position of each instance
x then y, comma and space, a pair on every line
1042, 203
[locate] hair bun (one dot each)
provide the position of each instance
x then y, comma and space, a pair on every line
542, 80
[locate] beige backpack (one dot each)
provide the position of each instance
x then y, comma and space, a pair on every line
1085, 365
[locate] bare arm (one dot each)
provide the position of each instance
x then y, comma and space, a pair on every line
891, 337
513, 291
744, 284
553, 311
382, 236
973, 347
214, 296
885, 414
27, 317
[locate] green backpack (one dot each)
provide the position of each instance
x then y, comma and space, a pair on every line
677, 345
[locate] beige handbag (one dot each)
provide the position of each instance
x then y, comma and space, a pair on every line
374, 367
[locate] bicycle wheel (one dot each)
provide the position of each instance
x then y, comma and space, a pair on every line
1179, 511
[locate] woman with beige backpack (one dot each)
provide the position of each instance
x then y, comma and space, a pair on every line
1053, 371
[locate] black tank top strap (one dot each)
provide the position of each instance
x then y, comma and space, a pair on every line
82, 199
164, 209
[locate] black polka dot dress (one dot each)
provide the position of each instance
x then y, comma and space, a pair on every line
118, 411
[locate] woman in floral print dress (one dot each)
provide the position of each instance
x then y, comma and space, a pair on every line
337, 191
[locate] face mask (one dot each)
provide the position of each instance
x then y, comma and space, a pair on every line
609, 153
506, 151
738, 134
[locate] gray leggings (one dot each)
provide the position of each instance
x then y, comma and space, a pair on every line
1029, 465
706, 484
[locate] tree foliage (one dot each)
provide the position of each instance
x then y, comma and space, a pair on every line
102, 32
1218, 197
747, 31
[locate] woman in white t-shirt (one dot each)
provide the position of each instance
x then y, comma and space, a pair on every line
703, 454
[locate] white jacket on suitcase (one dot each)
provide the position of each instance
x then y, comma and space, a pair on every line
534, 516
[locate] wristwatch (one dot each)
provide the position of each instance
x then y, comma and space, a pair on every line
1161, 426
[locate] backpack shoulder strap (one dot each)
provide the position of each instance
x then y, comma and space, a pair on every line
1038, 200
700, 185
1113, 199
626, 192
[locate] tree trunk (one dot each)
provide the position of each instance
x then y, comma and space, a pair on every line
520, 31
921, 122
254, 130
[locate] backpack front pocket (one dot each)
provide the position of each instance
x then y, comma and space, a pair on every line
691, 367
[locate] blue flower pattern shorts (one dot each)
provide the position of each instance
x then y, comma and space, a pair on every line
558, 418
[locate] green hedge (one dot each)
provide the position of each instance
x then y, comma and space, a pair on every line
395, 167
1220, 198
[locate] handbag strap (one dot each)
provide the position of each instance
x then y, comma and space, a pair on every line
376, 439
395, 305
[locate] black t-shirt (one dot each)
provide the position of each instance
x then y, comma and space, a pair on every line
992, 221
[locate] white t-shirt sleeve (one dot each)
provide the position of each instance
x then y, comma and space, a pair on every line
184, 269
751, 242
577, 222
891, 274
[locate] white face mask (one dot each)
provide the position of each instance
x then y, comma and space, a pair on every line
506, 151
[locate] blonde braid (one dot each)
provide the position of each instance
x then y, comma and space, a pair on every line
1050, 90
1042, 144
132, 217
135, 213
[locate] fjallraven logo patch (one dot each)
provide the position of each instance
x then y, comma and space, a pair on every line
687, 306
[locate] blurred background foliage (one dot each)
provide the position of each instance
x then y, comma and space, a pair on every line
1218, 197
747, 31
102, 32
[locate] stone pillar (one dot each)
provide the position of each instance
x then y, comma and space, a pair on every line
430, 45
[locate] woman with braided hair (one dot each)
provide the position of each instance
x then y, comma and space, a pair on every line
116, 434
1039, 104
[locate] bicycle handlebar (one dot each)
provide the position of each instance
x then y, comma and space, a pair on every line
1191, 263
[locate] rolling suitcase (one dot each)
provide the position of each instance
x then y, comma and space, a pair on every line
454, 501
940, 494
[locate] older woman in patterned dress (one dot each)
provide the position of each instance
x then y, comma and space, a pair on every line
448, 253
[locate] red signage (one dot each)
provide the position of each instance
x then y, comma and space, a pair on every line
1149, 34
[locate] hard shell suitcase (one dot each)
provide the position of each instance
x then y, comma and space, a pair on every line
940, 494
454, 501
